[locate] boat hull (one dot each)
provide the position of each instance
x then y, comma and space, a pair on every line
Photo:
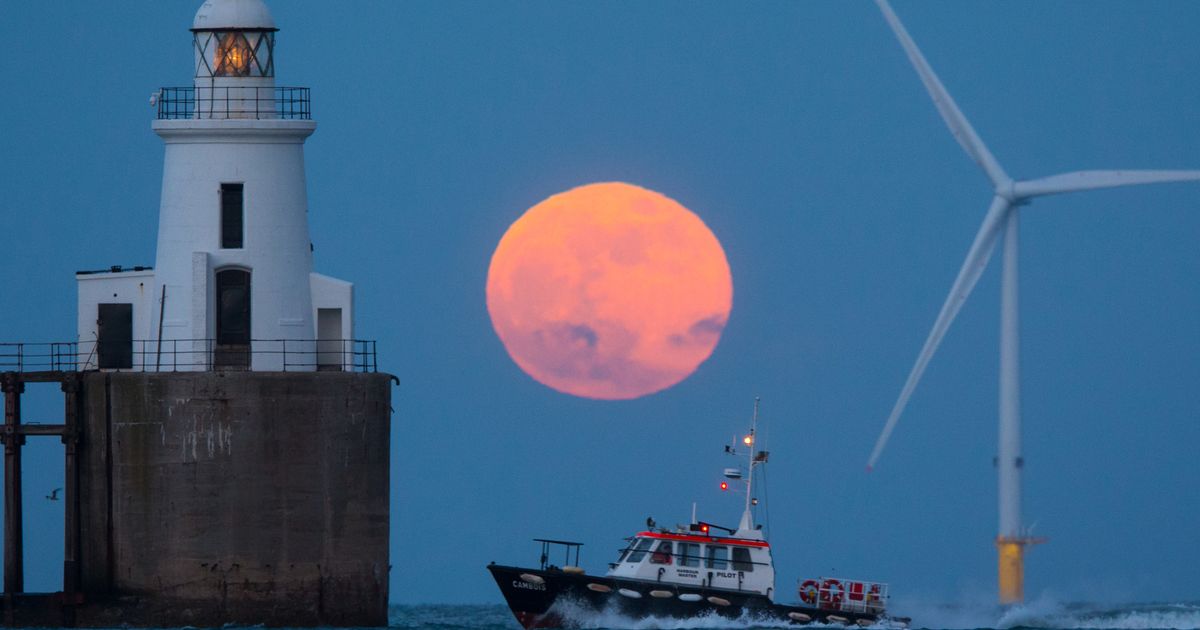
538, 599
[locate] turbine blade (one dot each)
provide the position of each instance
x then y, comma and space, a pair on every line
958, 124
968, 276
1091, 180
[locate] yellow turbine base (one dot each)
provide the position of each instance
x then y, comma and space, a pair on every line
1011, 553
1012, 570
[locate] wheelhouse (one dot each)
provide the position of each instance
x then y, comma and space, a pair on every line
742, 564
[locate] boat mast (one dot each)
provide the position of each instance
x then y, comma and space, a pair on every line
747, 523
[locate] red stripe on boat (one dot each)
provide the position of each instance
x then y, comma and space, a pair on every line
707, 539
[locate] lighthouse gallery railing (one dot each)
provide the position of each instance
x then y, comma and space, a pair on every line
233, 102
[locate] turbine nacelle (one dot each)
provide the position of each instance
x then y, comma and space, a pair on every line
1007, 190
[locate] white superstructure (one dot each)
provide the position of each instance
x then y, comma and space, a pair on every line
740, 561
232, 285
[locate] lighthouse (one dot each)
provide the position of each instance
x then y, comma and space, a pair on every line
232, 285
226, 439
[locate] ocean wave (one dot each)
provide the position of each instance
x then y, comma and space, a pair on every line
1046, 613
450, 617
1041, 614
1178, 616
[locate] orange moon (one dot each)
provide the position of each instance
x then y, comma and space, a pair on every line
609, 291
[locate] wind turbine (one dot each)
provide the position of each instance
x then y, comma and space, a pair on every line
1002, 217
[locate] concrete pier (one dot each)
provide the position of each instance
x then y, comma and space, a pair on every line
208, 498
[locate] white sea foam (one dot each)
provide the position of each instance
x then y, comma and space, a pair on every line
585, 617
1046, 612
1135, 617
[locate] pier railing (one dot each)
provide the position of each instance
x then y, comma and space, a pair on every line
192, 355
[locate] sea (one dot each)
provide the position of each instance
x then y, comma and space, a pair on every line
1042, 614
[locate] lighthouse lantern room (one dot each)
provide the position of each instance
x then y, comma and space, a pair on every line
234, 39
232, 286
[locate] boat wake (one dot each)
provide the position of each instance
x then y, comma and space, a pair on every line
1041, 615
1048, 614
583, 616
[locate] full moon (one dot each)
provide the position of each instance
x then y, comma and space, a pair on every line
609, 291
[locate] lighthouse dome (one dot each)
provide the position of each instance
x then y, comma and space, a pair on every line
224, 15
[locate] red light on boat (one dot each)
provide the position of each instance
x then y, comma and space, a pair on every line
724, 486
704, 527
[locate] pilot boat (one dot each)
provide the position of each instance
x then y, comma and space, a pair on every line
698, 571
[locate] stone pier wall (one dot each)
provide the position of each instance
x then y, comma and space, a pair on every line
235, 497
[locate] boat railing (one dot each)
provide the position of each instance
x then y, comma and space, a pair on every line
845, 595
570, 548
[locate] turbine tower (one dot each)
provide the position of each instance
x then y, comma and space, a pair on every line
1002, 216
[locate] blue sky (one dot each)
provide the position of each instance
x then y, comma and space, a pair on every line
802, 137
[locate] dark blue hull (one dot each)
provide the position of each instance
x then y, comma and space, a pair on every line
534, 603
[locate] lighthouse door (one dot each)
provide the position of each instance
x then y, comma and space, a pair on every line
329, 339
233, 319
114, 343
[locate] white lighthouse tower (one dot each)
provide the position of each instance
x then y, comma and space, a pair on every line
232, 286
229, 333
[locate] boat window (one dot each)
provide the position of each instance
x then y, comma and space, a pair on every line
639, 550
718, 558
741, 560
662, 554
689, 555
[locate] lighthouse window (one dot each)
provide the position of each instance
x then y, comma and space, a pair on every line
718, 558
741, 560
233, 55
662, 555
231, 216
639, 550
239, 53
689, 555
